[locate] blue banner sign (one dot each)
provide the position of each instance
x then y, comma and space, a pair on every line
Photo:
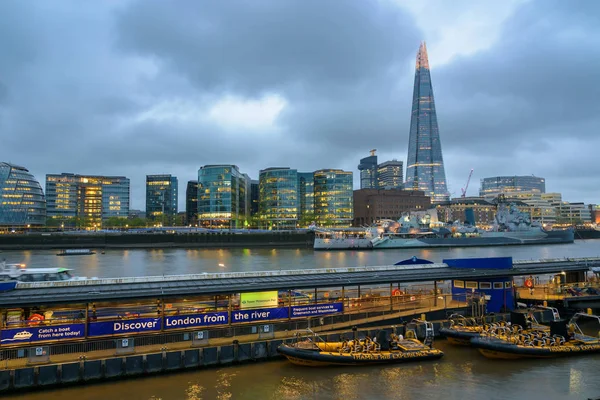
316, 309
193, 320
124, 326
42, 333
259, 314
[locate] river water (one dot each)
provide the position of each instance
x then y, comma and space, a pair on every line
144, 262
462, 374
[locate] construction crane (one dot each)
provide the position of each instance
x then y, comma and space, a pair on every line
464, 191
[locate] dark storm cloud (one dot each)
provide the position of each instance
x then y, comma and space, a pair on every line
124, 89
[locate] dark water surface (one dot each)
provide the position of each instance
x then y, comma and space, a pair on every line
463, 374
115, 263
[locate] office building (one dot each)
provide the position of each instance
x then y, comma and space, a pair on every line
425, 166
223, 196
372, 205
254, 196
333, 198
191, 203
306, 198
278, 198
368, 171
389, 175
22, 202
574, 213
86, 200
161, 198
509, 185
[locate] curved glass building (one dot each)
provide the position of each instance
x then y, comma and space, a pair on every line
278, 197
22, 202
333, 198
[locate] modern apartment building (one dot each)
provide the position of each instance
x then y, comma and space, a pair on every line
333, 198
86, 200
161, 198
389, 175
223, 196
278, 198
22, 202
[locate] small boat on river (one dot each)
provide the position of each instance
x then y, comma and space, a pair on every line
462, 329
313, 351
75, 252
581, 335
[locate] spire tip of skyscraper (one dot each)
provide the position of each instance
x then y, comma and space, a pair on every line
422, 59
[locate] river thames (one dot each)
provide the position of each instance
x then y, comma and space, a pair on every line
462, 374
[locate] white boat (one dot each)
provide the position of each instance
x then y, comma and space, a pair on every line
76, 252
421, 229
20, 273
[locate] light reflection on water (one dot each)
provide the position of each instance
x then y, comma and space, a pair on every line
463, 374
141, 262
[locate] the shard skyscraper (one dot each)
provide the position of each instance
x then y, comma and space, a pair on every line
425, 167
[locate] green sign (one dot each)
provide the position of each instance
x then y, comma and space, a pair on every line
258, 300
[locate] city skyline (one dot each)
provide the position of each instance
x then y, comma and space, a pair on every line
99, 96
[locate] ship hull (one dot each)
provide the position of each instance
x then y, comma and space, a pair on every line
506, 239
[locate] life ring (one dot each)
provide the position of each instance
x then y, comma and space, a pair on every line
35, 319
529, 283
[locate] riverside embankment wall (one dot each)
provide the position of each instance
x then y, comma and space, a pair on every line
35, 241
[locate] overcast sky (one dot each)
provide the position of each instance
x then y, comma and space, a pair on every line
148, 87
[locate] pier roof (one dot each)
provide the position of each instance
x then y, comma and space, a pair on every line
42, 293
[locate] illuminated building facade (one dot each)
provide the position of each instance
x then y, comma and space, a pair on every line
389, 175
22, 202
333, 198
368, 171
191, 203
161, 198
254, 196
278, 198
87, 200
509, 185
425, 166
306, 198
223, 196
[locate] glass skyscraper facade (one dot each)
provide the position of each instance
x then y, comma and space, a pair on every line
223, 196
389, 175
494, 186
333, 198
22, 202
425, 166
368, 171
91, 199
161, 198
191, 203
278, 198
306, 197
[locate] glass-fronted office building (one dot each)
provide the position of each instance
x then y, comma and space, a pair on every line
278, 194
507, 185
389, 175
223, 196
22, 202
306, 198
161, 198
191, 203
333, 198
86, 200
425, 167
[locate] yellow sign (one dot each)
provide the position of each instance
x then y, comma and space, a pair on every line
258, 300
